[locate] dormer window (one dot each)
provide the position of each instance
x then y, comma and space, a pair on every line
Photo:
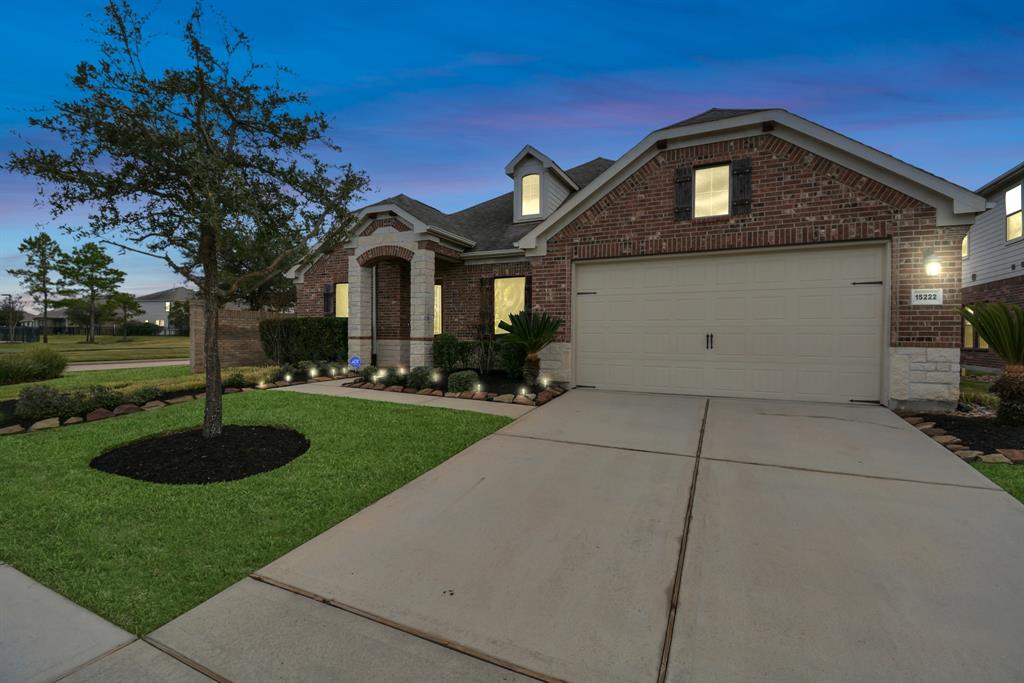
531, 194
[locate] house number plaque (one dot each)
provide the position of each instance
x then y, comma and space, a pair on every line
926, 297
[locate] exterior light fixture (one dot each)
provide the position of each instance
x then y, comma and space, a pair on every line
334, 371
435, 378
312, 372
522, 390
401, 372
932, 265
544, 381
287, 378
479, 387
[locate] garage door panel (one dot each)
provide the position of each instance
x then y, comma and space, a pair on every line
788, 324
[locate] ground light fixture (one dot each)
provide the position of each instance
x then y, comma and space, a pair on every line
435, 378
333, 372
312, 372
479, 387
287, 378
544, 382
522, 390
401, 372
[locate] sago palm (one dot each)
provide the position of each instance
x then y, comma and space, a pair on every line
533, 330
1002, 326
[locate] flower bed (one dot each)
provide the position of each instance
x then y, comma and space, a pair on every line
973, 437
397, 380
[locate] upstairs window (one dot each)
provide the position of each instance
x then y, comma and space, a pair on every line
711, 191
509, 298
965, 247
531, 195
1013, 215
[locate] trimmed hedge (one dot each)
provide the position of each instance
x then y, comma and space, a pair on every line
141, 329
43, 401
31, 366
290, 340
450, 353
463, 381
420, 377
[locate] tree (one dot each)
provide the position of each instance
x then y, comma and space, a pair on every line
533, 330
185, 163
11, 313
1002, 326
42, 253
254, 253
124, 308
178, 317
86, 273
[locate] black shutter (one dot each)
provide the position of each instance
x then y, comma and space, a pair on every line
528, 299
486, 308
328, 301
740, 191
684, 193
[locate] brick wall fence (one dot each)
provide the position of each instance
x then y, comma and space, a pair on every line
1009, 291
239, 339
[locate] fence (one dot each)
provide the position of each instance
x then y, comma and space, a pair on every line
238, 337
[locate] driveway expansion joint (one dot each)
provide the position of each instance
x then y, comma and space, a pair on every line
409, 630
116, 648
187, 661
593, 445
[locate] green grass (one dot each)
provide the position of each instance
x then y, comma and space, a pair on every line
974, 391
1009, 477
108, 348
140, 554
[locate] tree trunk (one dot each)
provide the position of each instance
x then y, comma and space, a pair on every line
124, 324
213, 416
531, 370
46, 307
91, 337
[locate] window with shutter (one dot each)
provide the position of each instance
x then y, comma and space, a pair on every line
741, 186
329, 301
684, 193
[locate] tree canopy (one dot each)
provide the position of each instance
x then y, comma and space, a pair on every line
38, 277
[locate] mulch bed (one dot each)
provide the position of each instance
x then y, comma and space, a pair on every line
188, 458
980, 433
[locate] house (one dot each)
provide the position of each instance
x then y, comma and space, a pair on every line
56, 320
993, 259
740, 252
156, 307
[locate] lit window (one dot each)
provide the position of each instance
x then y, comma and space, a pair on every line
509, 298
1013, 215
968, 342
160, 323
711, 191
531, 194
167, 307
341, 300
437, 309
964, 247
982, 344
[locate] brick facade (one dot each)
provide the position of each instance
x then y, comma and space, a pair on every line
238, 337
1009, 291
799, 198
328, 270
461, 289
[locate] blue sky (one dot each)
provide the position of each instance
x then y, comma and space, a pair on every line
433, 99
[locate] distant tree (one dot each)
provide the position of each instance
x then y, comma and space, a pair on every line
87, 274
186, 163
124, 308
178, 317
12, 311
42, 253
78, 313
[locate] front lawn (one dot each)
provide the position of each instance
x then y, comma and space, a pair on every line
140, 554
112, 378
109, 348
1008, 477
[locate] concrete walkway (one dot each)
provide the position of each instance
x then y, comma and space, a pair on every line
630, 537
338, 388
122, 364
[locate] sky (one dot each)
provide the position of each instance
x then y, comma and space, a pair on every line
433, 99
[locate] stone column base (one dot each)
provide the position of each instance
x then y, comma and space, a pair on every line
421, 353
923, 378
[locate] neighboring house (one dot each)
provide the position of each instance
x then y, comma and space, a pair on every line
740, 252
56, 319
993, 259
157, 306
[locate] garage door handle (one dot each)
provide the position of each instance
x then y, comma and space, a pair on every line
712, 335
707, 342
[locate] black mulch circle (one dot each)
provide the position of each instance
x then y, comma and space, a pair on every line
980, 433
188, 458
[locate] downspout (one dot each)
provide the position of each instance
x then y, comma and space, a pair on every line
373, 317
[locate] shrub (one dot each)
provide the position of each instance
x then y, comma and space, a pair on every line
463, 381
450, 353
511, 359
392, 376
533, 330
420, 377
31, 366
368, 373
41, 402
1002, 326
134, 328
290, 340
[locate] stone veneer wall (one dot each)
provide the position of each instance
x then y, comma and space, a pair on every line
238, 337
923, 378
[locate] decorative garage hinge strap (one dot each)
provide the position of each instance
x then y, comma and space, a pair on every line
742, 186
582, 293
867, 282
684, 193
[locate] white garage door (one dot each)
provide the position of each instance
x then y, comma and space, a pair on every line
797, 324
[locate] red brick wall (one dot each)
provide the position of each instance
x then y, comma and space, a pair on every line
461, 290
238, 337
1009, 291
798, 198
328, 270
392, 300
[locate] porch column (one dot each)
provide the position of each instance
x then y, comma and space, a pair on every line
360, 310
421, 308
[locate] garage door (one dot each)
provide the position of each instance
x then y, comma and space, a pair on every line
794, 324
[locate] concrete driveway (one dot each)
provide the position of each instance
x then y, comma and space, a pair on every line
640, 537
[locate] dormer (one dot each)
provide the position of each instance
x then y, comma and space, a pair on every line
540, 185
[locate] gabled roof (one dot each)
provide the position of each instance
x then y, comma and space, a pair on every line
546, 161
172, 294
955, 205
1002, 179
